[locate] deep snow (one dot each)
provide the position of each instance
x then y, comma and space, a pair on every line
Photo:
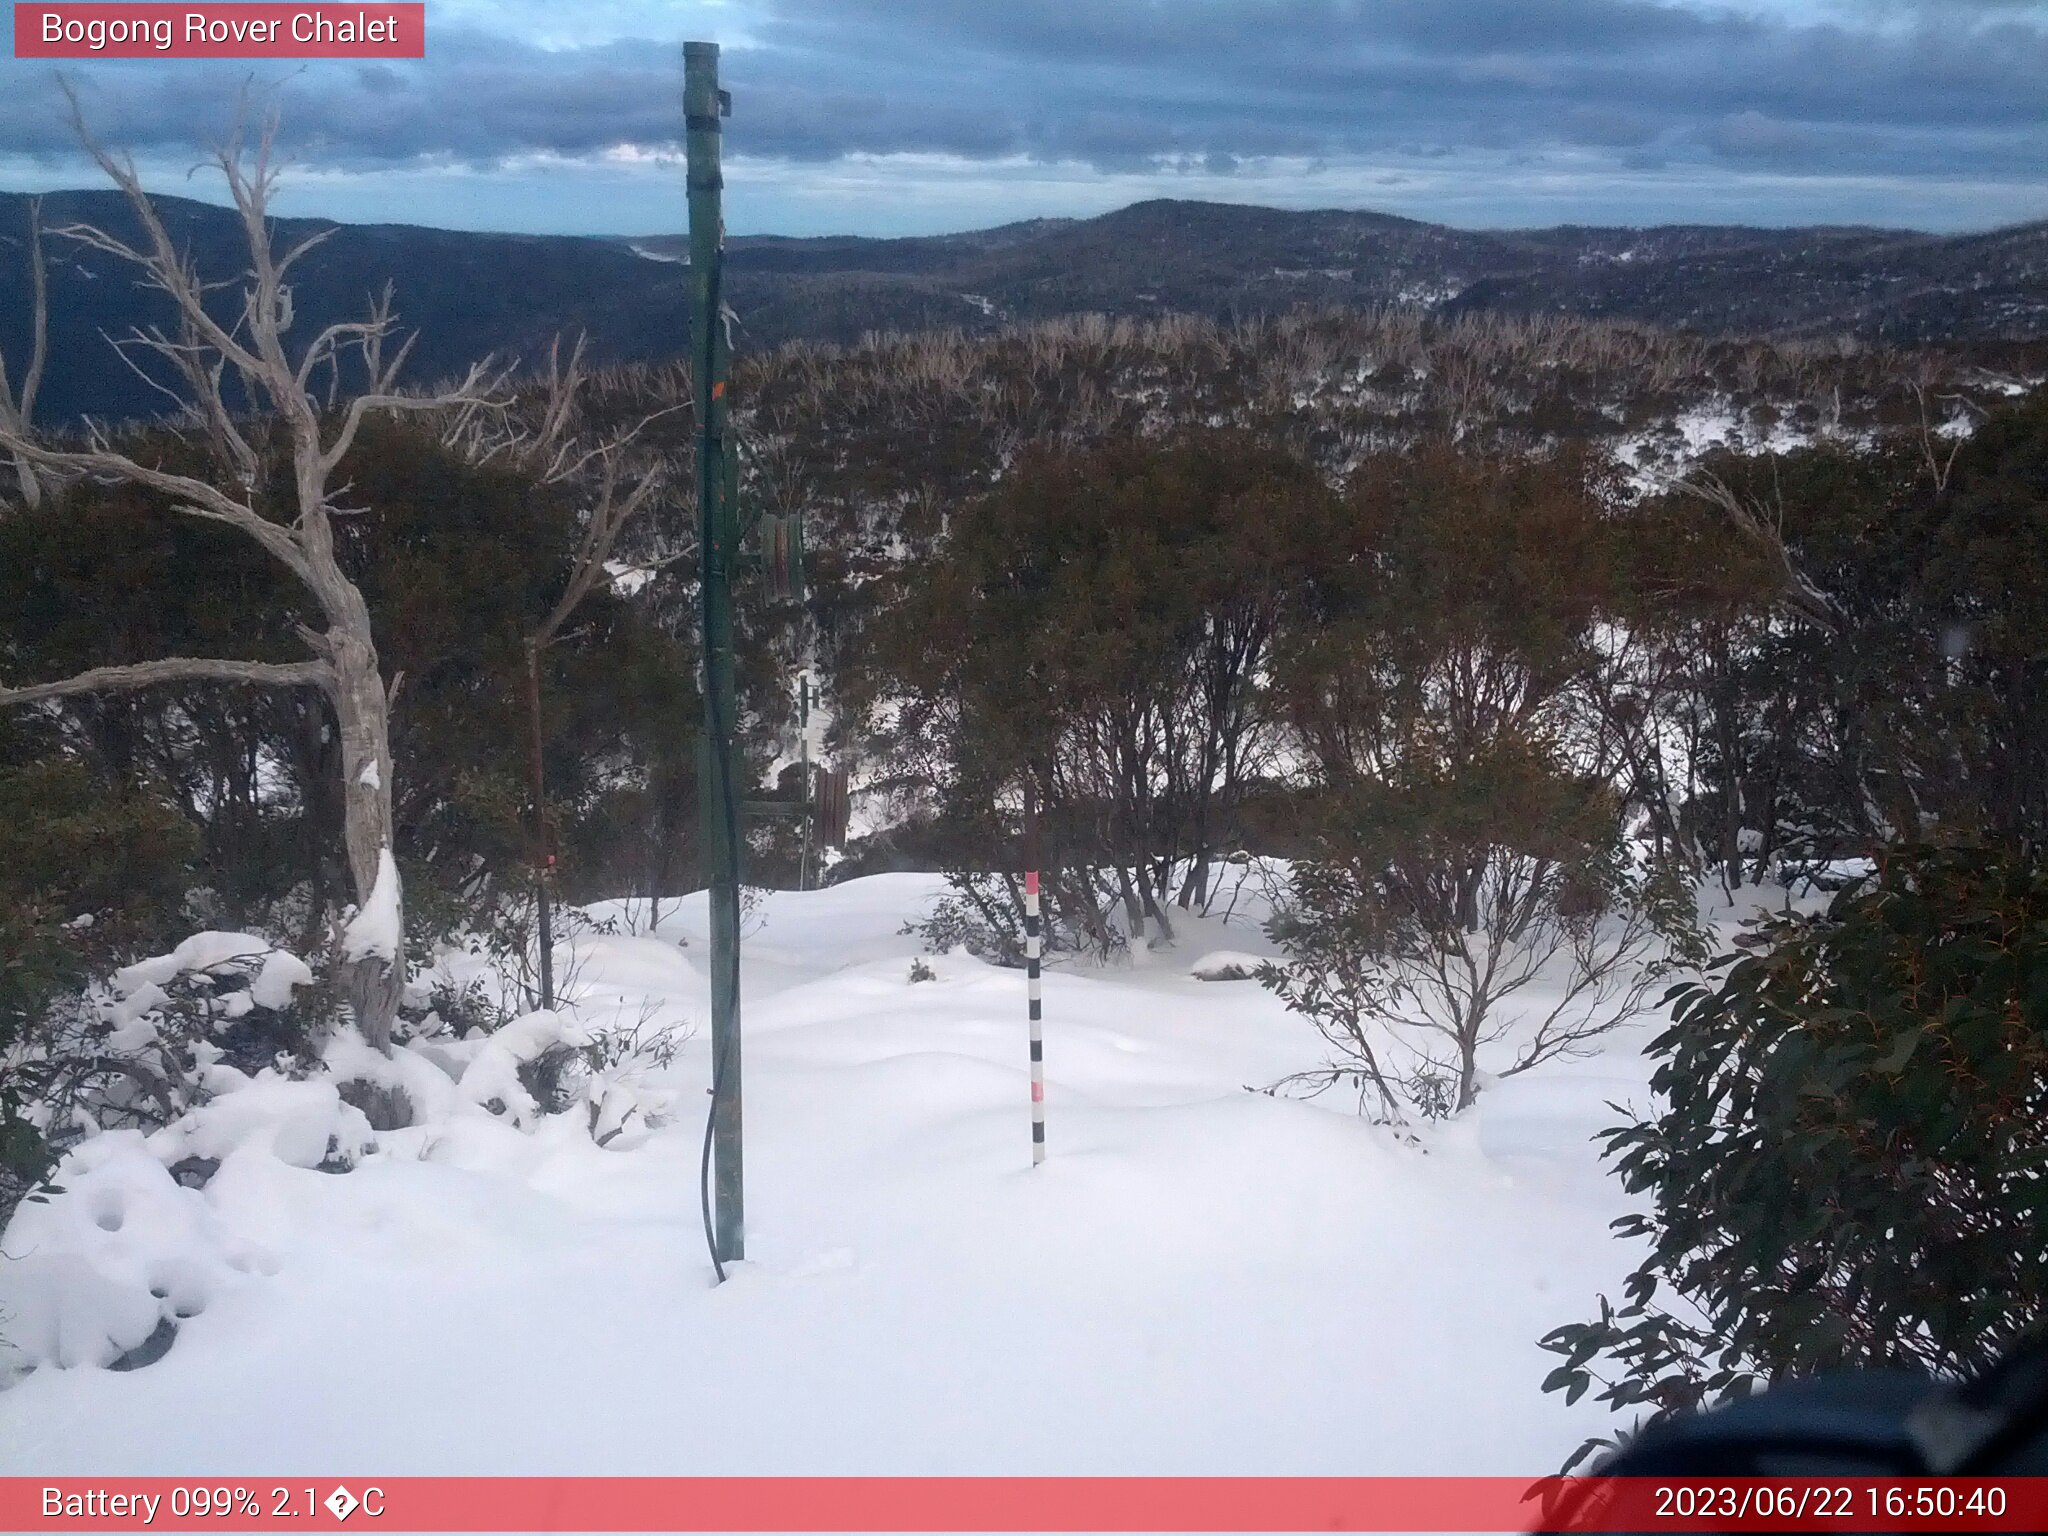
1200, 1279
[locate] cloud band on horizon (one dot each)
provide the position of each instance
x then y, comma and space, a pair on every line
1474, 111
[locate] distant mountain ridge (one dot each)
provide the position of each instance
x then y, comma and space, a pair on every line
469, 293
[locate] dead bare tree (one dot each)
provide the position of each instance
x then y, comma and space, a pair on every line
298, 532
542, 440
18, 407
1930, 373
613, 508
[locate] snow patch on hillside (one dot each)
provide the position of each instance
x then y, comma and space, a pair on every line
1653, 455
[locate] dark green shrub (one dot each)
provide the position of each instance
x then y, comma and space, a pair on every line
1852, 1169
35, 966
85, 882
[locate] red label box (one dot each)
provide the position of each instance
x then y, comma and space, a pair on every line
102, 30
1579, 1506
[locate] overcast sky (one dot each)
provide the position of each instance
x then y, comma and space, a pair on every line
917, 116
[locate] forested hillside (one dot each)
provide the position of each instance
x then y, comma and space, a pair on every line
472, 294
1472, 674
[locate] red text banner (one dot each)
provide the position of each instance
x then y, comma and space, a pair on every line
1150, 1504
215, 31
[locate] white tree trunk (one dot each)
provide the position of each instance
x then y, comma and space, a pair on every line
362, 707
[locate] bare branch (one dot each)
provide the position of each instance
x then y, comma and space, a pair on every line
316, 641
607, 519
1764, 530
373, 343
177, 669
203, 371
564, 385
317, 238
162, 262
477, 388
154, 343
18, 410
328, 344
383, 377
1938, 468
195, 497
563, 468
39, 346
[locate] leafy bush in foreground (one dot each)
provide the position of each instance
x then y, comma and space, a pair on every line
1852, 1170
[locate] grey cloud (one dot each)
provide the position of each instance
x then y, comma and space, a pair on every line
1752, 133
1608, 127
1955, 89
1344, 78
1553, 27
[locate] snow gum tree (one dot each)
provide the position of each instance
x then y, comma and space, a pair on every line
221, 364
1469, 875
1101, 621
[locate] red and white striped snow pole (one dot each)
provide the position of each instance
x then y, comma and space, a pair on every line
1031, 957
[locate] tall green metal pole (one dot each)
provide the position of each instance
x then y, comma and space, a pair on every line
717, 533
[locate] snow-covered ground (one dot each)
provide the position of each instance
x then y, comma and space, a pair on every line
1200, 1279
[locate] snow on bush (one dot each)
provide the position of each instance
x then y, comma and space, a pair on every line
95, 1271
623, 1104
427, 1085
210, 979
271, 973
547, 1063
139, 1050
302, 1123
1227, 965
494, 1078
217, 1077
